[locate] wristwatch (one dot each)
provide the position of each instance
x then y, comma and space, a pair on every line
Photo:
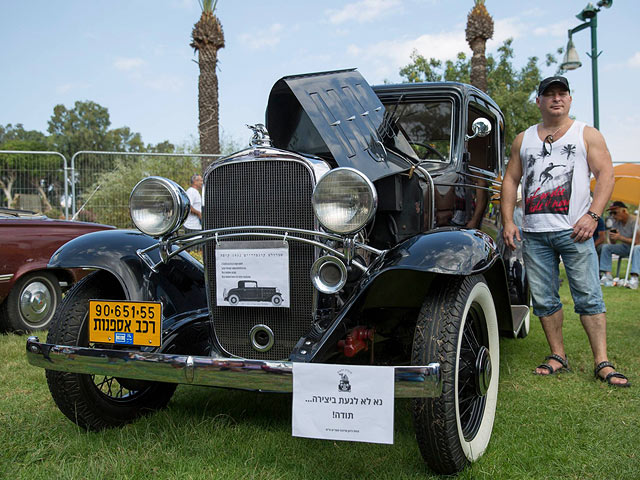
593, 215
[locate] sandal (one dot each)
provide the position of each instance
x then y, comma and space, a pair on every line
562, 361
611, 375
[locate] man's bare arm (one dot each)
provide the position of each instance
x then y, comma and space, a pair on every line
599, 160
508, 194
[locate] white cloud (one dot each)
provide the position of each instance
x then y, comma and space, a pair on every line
165, 83
387, 57
634, 61
67, 87
127, 64
559, 29
362, 11
268, 38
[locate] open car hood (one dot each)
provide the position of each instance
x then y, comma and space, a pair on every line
332, 114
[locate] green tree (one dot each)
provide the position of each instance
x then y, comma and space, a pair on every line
17, 132
124, 140
207, 38
84, 127
162, 147
513, 89
22, 173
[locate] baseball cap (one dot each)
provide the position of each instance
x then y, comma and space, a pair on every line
547, 82
616, 204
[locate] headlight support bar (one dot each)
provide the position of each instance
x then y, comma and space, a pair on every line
196, 238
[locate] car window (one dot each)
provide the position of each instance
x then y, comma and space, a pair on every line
483, 151
427, 127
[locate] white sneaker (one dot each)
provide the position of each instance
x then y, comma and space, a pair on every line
606, 280
632, 283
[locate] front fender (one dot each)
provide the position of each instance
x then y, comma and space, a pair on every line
402, 277
179, 284
446, 250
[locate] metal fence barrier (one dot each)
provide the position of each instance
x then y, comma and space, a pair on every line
102, 181
96, 185
34, 180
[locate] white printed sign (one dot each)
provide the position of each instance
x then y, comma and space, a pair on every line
252, 274
343, 402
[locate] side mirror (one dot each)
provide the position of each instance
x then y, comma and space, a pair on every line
481, 127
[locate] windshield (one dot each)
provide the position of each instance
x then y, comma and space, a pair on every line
426, 128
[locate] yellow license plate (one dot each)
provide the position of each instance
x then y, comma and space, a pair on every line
125, 323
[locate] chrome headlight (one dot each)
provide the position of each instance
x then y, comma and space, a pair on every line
158, 206
344, 201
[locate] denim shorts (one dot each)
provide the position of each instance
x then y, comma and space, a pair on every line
542, 252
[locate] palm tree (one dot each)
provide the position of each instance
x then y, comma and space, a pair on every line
479, 30
207, 39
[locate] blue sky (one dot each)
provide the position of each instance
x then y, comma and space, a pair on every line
133, 56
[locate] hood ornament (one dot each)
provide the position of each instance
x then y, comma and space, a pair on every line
260, 136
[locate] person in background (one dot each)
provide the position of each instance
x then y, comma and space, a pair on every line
635, 269
599, 237
620, 236
194, 219
517, 211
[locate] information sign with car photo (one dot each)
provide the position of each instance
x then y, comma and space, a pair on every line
252, 274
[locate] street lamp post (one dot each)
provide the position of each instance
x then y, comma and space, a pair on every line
571, 61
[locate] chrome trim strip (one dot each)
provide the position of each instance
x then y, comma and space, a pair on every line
6, 277
251, 228
432, 194
261, 375
219, 233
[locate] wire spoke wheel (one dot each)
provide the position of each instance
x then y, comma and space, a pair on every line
457, 327
96, 402
112, 388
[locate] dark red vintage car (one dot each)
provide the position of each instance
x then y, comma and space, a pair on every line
29, 291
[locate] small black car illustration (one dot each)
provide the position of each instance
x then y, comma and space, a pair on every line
249, 291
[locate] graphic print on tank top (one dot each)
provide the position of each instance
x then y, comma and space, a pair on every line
547, 186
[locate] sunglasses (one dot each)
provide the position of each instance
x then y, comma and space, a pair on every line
548, 140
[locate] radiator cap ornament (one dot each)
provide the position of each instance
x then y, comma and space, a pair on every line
260, 136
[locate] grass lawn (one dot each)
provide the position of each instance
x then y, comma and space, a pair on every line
565, 427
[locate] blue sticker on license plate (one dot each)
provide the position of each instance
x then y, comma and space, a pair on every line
125, 338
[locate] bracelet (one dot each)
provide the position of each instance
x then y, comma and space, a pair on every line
593, 215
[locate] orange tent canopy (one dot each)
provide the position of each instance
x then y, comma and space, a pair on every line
627, 187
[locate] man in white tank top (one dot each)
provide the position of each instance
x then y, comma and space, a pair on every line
555, 159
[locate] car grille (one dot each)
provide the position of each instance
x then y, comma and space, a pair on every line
268, 192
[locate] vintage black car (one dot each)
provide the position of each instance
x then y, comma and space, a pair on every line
249, 291
376, 199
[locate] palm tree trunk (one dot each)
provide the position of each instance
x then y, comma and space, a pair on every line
478, 77
209, 127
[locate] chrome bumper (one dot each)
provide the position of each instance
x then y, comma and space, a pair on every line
270, 376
